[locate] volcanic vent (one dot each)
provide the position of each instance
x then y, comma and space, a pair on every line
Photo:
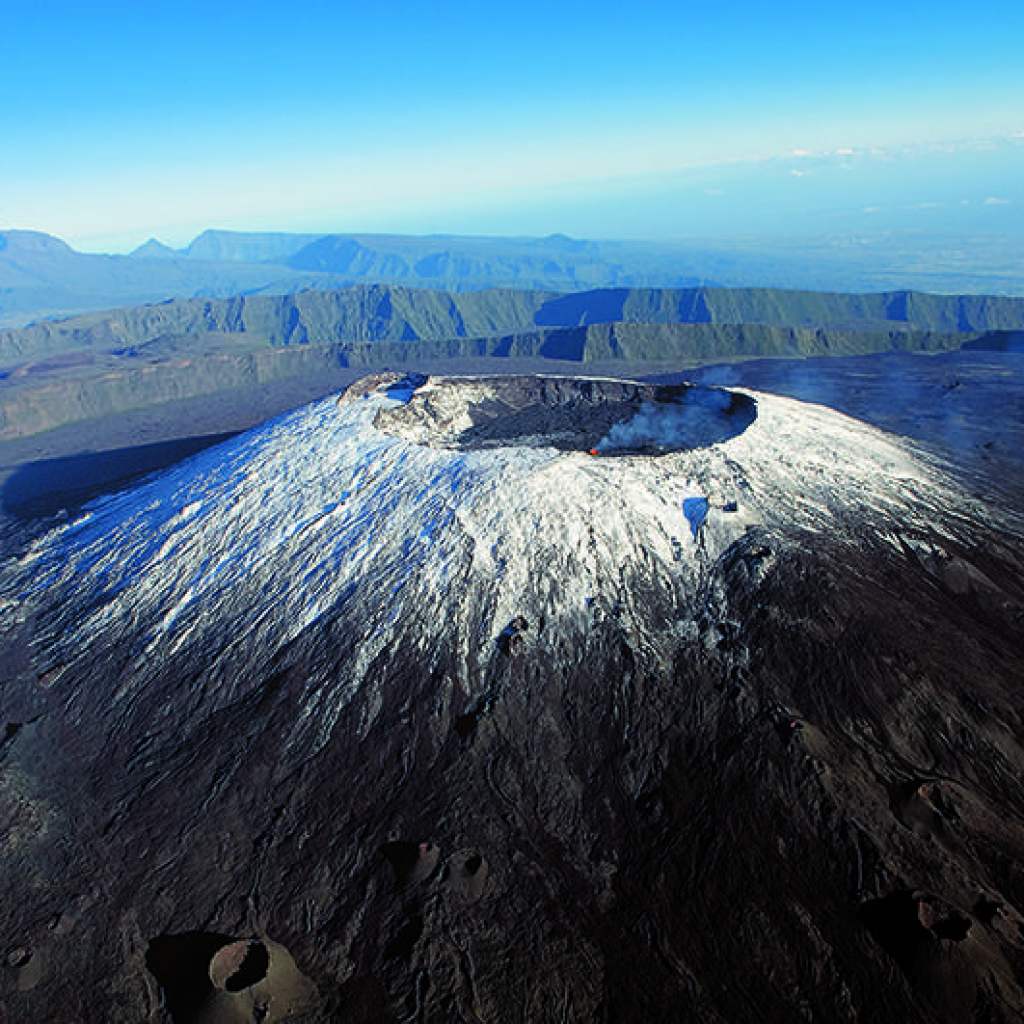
608, 417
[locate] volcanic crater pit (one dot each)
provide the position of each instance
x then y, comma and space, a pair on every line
600, 416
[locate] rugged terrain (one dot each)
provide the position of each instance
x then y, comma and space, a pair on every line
391, 313
105, 364
42, 276
456, 720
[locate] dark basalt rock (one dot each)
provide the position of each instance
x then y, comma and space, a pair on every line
730, 889
791, 794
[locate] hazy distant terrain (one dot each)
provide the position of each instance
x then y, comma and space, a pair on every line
41, 276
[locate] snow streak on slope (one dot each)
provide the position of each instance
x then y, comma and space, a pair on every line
227, 558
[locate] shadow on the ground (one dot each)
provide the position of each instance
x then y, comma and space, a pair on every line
44, 487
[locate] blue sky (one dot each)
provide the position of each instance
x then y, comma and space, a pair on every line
118, 121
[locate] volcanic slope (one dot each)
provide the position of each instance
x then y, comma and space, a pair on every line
719, 724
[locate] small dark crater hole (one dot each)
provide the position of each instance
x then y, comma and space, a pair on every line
180, 963
402, 856
20, 956
252, 968
895, 925
955, 927
473, 863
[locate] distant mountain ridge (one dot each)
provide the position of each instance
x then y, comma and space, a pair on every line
558, 262
377, 313
24, 244
42, 277
555, 262
290, 248
154, 249
246, 246
101, 364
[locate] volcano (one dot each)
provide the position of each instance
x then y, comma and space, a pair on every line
407, 707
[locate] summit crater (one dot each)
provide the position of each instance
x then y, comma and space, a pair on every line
601, 416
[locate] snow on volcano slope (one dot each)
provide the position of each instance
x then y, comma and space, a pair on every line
230, 556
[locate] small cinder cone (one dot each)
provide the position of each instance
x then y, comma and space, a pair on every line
255, 975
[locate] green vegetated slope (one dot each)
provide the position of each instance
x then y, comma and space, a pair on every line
362, 313
786, 308
659, 342
101, 364
390, 313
